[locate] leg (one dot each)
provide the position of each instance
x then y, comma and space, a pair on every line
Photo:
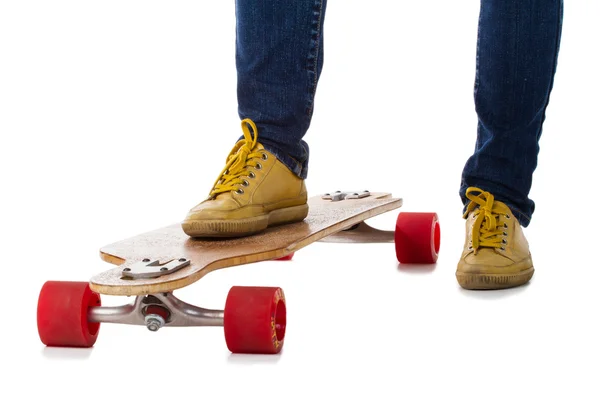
517, 50
279, 58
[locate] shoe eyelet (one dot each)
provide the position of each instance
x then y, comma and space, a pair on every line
245, 183
251, 175
505, 226
503, 241
503, 248
240, 191
507, 216
258, 166
264, 156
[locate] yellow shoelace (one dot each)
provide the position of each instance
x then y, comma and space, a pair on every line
242, 156
487, 231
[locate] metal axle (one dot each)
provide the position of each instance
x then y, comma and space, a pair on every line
140, 312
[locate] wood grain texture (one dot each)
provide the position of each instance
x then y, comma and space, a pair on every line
324, 218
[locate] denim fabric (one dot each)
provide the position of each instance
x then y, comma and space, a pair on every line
279, 58
517, 49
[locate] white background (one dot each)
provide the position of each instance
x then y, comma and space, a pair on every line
115, 118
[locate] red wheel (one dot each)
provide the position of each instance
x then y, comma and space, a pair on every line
286, 258
62, 314
255, 320
417, 238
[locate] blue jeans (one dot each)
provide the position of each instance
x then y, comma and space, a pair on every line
279, 58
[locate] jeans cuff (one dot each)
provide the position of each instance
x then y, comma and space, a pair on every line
523, 218
299, 169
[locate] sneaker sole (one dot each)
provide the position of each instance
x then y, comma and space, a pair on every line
246, 226
493, 281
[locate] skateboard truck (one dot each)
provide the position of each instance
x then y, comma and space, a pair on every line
339, 195
155, 311
153, 268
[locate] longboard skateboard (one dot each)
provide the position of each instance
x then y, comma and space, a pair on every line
152, 265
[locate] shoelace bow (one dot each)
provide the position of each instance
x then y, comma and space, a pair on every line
486, 231
239, 159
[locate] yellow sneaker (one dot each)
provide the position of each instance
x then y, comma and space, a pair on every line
496, 254
254, 191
